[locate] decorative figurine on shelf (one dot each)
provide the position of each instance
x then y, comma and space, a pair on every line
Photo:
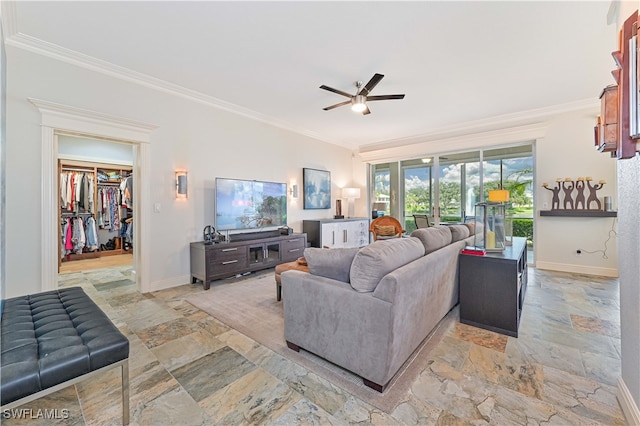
555, 202
567, 187
580, 196
592, 193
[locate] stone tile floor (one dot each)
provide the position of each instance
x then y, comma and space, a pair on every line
187, 368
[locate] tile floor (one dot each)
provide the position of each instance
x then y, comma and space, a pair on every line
187, 368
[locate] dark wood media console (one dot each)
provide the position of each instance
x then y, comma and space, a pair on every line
244, 253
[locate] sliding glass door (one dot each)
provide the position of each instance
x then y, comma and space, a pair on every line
459, 186
417, 190
512, 169
446, 187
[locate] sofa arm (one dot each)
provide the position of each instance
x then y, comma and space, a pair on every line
332, 320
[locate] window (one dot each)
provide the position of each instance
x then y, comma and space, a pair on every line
447, 187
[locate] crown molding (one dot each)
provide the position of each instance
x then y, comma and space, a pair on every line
9, 18
505, 121
455, 143
64, 117
44, 48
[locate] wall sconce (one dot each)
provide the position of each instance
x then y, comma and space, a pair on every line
351, 194
181, 185
293, 191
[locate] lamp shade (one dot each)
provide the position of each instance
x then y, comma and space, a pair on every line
499, 196
379, 205
350, 193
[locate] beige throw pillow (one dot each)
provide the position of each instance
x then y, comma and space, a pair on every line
385, 230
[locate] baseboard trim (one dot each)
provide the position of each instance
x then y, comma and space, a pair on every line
628, 405
578, 269
170, 282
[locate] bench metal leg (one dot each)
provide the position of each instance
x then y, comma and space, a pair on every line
125, 388
125, 392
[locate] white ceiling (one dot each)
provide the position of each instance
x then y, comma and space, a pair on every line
457, 62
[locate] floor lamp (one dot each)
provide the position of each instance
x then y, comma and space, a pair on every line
351, 194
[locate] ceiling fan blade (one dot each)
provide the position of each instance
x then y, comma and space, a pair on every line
337, 105
366, 111
339, 92
384, 97
371, 84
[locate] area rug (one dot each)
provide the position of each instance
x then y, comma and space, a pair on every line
249, 305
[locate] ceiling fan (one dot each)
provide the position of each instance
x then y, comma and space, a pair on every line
359, 100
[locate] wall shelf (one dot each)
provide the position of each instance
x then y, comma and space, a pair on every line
578, 213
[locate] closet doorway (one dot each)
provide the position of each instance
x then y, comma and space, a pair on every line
59, 119
95, 209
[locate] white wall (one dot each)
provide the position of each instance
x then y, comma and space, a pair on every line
205, 141
568, 150
629, 266
3, 149
629, 182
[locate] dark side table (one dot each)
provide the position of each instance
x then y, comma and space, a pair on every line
492, 288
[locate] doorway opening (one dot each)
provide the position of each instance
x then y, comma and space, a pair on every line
63, 119
96, 204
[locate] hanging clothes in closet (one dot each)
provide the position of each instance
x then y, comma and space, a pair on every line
79, 235
108, 209
126, 190
77, 191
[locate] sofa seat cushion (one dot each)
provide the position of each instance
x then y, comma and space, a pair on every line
330, 263
458, 232
374, 261
433, 238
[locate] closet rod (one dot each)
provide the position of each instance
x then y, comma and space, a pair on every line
77, 170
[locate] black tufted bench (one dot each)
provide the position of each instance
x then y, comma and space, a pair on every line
54, 339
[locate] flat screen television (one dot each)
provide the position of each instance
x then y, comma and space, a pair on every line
250, 204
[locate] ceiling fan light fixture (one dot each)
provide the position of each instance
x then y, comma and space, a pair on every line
358, 104
363, 95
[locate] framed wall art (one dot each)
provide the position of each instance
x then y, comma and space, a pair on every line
316, 188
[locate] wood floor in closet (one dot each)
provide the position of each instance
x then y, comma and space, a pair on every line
97, 263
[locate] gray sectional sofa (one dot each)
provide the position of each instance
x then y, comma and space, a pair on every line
368, 309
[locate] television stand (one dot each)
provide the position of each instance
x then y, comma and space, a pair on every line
247, 236
222, 260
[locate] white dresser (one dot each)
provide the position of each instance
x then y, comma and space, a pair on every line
333, 233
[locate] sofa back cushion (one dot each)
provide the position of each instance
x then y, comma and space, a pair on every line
376, 260
458, 232
433, 238
330, 263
